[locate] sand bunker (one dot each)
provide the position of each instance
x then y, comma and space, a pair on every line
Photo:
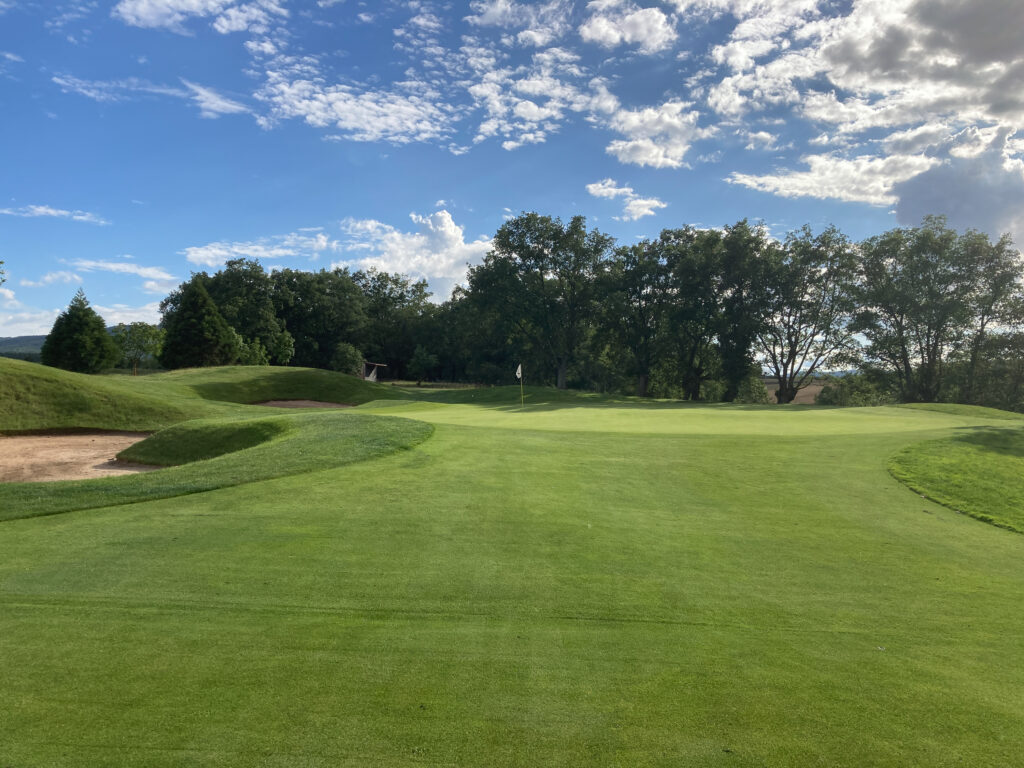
302, 404
38, 458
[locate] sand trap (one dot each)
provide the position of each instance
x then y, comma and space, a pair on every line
38, 458
302, 404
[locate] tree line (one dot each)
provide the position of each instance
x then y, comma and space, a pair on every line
916, 314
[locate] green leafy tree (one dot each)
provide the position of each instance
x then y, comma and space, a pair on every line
540, 278
243, 293
347, 359
137, 342
318, 309
422, 364
196, 334
914, 304
810, 306
398, 315
747, 258
693, 259
79, 340
634, 300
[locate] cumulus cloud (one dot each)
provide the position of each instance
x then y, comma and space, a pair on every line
306, 244
860, 179
226, 15
657, 136
124, 313
28, 323
634, 206
982, 191
437, 251
617, 23
36, 211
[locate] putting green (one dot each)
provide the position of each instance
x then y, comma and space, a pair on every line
584, 583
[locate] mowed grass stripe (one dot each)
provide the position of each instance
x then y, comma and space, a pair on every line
600, 599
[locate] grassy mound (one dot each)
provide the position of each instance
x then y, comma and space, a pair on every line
972, 411
36, 397
203, 439
980, 474
246, 384
283, 445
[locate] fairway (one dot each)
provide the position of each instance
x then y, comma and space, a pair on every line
583, 582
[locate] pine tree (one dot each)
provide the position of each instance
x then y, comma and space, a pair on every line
196, 333
79, 340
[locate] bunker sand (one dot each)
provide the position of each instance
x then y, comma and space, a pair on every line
42, 458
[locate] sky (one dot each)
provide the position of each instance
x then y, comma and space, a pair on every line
143, 140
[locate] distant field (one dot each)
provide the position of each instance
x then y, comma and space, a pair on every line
446, 578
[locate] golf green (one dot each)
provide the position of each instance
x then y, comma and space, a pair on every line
583, 582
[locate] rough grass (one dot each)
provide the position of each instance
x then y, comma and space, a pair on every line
36, 397
979, 473
239, 384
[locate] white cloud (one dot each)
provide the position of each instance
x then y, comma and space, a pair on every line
638, 207
437, 251
49, 278
123, 313
634, 206
982, 190
36, 211
539, 24
166, 13
7, 300
657, 136
628, 25
861, 179
28, 323
212, 104
301, 244
122, 268
408, 112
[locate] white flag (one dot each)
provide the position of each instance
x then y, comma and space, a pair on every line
519, 371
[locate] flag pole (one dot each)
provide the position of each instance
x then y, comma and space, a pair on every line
522, 398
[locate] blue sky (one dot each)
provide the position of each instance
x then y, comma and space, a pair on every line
146, 139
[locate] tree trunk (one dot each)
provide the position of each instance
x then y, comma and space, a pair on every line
785, 394
563, 371
641, 385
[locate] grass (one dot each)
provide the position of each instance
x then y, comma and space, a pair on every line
577, 583
979, 473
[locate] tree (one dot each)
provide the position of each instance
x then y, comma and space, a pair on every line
693, 259
196, 334
79, 340
243, 293
634, 294
914, 303
3, 274
319, 309
542, 274
810, 303
422, 364
347, 359
996, 296
748, 255
137, 341
398, 311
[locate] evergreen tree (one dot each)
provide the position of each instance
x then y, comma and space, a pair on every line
79, 340
196, 333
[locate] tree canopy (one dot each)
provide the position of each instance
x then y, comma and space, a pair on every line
79, 340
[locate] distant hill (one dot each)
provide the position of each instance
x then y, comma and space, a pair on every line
21, 345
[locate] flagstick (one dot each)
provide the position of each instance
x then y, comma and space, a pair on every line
522, 398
